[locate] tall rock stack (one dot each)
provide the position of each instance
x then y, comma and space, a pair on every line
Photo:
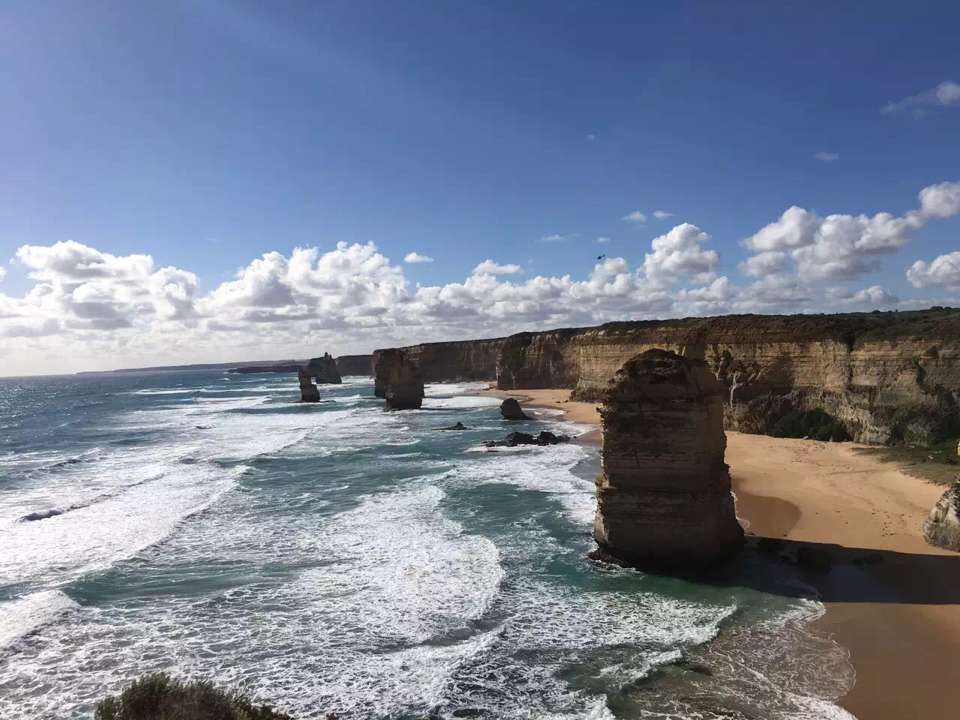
398, 380
663, 498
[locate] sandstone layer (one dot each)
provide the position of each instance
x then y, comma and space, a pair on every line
398, 380
888, 377
663, 497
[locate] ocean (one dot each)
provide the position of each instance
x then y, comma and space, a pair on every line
338, 558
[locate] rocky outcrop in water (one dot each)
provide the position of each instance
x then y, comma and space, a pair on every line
324, 370
398, 380
521, 438
663, 497
308, 391
510, 410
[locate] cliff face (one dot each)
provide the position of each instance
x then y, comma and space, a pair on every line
887, 377
447, 361
355, 365
663, 498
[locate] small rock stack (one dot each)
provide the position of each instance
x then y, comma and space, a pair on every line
663, 498
324, 370
398, 380
308, 391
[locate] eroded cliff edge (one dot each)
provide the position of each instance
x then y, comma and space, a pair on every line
887, 376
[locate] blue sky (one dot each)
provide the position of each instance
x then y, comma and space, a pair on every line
206, 134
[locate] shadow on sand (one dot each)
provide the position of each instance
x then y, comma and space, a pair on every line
841, 574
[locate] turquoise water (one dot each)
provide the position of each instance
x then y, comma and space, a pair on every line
337, 558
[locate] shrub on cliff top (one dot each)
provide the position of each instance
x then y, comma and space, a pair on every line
817, 424
160, 697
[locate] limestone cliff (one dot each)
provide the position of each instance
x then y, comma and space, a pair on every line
663, 498
355, 365
454, 361
887, 377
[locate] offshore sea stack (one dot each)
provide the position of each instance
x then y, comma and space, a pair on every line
308, 391
398, 380
324, 370
663, 497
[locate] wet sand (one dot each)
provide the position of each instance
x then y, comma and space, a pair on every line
891, 599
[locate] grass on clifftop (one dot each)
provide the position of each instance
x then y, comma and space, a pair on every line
937, 463
160, 697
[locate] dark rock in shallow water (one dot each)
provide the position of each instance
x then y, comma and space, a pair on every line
42, 515
522, 438
458, 426
511, 410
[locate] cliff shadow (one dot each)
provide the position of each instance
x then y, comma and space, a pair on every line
839, 574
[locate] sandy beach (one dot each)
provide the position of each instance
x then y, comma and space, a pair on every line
892, 600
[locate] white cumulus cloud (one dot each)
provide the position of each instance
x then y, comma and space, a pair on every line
942, 271
490, 267
662, 214
842, 246
945, 94
413, 258
636, 216
870, 297
680, 253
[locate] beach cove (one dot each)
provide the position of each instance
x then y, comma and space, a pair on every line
892, 600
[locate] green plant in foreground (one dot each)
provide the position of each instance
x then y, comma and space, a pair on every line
160, 697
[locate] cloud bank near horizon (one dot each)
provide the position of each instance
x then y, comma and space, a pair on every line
98, 310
